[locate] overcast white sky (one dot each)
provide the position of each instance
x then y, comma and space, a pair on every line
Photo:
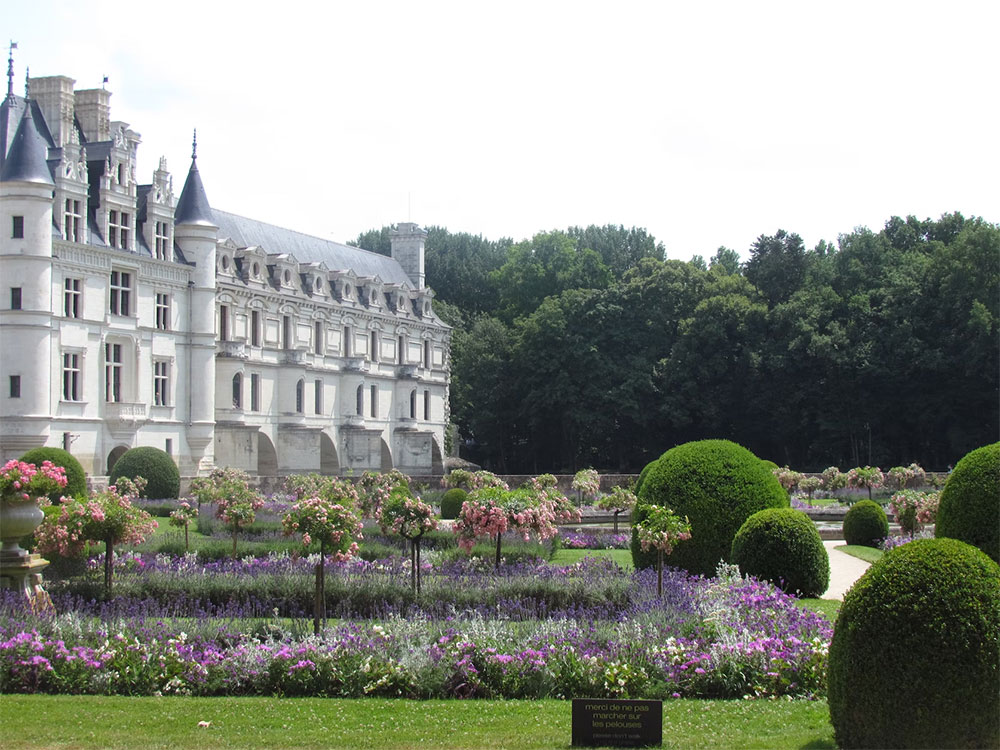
707, 123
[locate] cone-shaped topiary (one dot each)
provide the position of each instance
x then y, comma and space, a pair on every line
155, 466
915, 656
969, 508
782, 545
451, 502
76, 480
865, 524
717, 485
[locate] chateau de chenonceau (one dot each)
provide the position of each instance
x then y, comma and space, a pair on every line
132, 316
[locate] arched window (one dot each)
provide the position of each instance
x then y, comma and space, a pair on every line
237, 391
300, 388
427, 406
375, 346
374, 403
413, 404
361, 401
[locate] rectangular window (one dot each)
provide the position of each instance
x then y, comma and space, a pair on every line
17, 227
113, 372
223, 322
72, 221
374, 405
374, 346
161, 383
318, 337
255, 327
118, 229
286, 332
169, 447
71, 298
401, 351
121, 290
71, 376
237, 391
161, 240
427, 406
254, 392
162, 310
347, 341
427, 354
15, 386
318, 397
15, 298
300, 396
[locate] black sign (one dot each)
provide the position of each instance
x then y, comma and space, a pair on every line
622, 723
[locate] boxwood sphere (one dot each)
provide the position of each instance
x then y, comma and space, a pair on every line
865, 524
782, 545
76, 480
451, 502
163, 479
915, 656
718, 485
969, 508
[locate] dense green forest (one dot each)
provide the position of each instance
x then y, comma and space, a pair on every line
588, 348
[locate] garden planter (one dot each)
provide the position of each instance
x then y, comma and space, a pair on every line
17, 520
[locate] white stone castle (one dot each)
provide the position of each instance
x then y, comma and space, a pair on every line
130, 317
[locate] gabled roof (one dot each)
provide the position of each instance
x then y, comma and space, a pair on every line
308, 249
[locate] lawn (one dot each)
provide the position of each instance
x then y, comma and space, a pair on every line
81, 722
868, 554
622, 557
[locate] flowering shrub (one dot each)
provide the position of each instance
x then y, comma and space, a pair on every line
912, 509
809, 485
619, 500
833, 479
900, 476
238, 509
868, 477
660, 529
543, 482
182, 517
587, 483
789, 479
409, 518
471, 481
219, 484
22, 482
108, 517
374, 489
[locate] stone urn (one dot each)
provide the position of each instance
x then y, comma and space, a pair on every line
17, 520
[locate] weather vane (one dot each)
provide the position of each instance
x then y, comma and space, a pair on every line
10, 70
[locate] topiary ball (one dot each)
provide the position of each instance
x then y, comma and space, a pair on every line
969, 508
915, 656
717, 485
76, 479
163, 479
642, 476
865, 524
451, 502
782, 545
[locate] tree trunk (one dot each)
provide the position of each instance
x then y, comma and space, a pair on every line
234, 544
416, 544
413, 567
497, 562
616, 520
659, 573
319, 604
187, 545
108, 565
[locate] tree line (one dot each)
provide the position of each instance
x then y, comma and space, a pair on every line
587, 347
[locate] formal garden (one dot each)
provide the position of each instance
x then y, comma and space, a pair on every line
466, 614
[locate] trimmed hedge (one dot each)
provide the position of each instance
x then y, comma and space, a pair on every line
969, 508
717, 485
155, 466
642, 476
76, 479
915, 656
865, 524
782, 545
451, 503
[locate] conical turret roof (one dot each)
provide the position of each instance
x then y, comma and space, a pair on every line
26, 159
192, 206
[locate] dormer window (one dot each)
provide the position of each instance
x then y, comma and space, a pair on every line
318, 285
118, 229
225, 263
286, 277
255, 270
161, 240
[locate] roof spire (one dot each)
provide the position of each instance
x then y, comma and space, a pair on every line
10, 71
27, 83
194, 145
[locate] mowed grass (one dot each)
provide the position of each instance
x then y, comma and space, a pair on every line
83, 722
868, 554
622, 557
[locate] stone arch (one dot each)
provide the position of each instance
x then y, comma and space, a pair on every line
114, 455
329, 463
437, 457
386, 456
267, 456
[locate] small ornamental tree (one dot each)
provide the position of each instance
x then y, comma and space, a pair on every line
587, 484
107, 517
912, 509
218, 484
333, 522
182, 517
867, 477
475, 480
833, 479
619, 500
789, 479
236, 502
900, 476
374, 489
409, 518
661, 530
492, 511
809, 485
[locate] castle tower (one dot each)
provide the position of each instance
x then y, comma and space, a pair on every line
407, 241
25, 306
196, 233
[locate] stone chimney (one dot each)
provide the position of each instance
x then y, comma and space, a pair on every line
407, 241
54, 95
93, 110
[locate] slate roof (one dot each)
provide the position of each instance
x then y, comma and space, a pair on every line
308, 249
27, 158
192, 206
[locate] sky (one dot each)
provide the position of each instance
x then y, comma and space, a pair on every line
706, 123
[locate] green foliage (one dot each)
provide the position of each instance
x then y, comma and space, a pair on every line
642, 476
452, 501
76, 479
865, 524
915, 657
717, 485
163, 479
969, 508
782, 545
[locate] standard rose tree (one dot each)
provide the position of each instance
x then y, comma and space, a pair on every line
409, 518
661, 530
